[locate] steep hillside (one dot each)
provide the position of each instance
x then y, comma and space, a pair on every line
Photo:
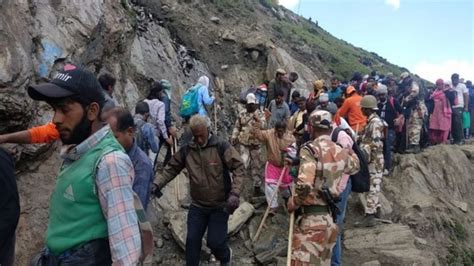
236, 43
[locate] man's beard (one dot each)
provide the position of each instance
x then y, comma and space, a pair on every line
80, 133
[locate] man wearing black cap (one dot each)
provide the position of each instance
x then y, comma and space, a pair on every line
92, 220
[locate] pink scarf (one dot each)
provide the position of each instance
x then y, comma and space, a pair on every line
439, 95
272, 173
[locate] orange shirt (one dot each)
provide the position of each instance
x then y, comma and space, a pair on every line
351, 109
43, 134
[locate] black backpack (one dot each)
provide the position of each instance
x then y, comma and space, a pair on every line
222, 146
361, 180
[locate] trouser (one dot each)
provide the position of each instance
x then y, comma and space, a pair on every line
168, 150
414, 127
314, 236
7, 250
456, 125
387, 149
376, 173
342, 205
95, 252
215, 221
472, 120
251, 157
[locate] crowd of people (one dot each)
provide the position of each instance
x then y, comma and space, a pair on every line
319, 148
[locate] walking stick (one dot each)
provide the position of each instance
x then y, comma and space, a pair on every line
269, 205
290, 232
176, 183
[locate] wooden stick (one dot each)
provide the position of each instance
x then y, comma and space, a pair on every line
290, 232
267, 211
176, 183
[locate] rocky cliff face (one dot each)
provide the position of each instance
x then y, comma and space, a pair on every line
236, 43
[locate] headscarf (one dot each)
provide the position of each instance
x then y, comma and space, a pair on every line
203, 80
318, 85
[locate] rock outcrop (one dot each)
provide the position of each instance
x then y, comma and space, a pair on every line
236, 44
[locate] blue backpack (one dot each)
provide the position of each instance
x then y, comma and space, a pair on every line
189, 102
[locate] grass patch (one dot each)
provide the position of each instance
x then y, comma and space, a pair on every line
269, 3
238, 7
460, 256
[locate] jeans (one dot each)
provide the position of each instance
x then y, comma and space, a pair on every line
387, 149
215, 221
337, 250
456, 125
7, 251
95, 252
168, 150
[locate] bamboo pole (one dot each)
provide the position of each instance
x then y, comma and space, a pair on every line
267, 211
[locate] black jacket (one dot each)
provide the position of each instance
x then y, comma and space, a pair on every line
9, 204
391, 111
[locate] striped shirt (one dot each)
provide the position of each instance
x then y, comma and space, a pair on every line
114, 179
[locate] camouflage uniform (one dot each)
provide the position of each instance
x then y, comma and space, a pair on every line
417, 114
415, 123
372, 147
315, 231
249, 147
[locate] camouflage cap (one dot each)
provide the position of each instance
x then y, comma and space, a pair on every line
321, 119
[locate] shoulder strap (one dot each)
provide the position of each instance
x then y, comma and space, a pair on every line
221, 148
335, 134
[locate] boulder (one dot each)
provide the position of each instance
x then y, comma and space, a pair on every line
386, 205
393, 244
215, 20
229, 35
254, 55
240, 217
279, 58
175, 193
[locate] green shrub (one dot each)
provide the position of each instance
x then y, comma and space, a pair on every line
460, 256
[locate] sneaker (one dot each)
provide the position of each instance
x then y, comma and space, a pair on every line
230, 259
386, 172
368, 221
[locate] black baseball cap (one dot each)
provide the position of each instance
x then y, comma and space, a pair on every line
72, 81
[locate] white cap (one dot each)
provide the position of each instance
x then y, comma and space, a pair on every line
251, 98
324, 97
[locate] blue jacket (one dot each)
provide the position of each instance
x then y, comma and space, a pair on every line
204, 99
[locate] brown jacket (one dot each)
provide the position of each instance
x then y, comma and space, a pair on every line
275, 146
206, 172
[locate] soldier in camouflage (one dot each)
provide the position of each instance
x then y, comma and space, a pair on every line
249, 146
417, 110
322, 162
371, 144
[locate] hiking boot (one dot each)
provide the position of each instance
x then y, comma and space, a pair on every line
257, 192
413, 149
378, 213
368, 221
230, 259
